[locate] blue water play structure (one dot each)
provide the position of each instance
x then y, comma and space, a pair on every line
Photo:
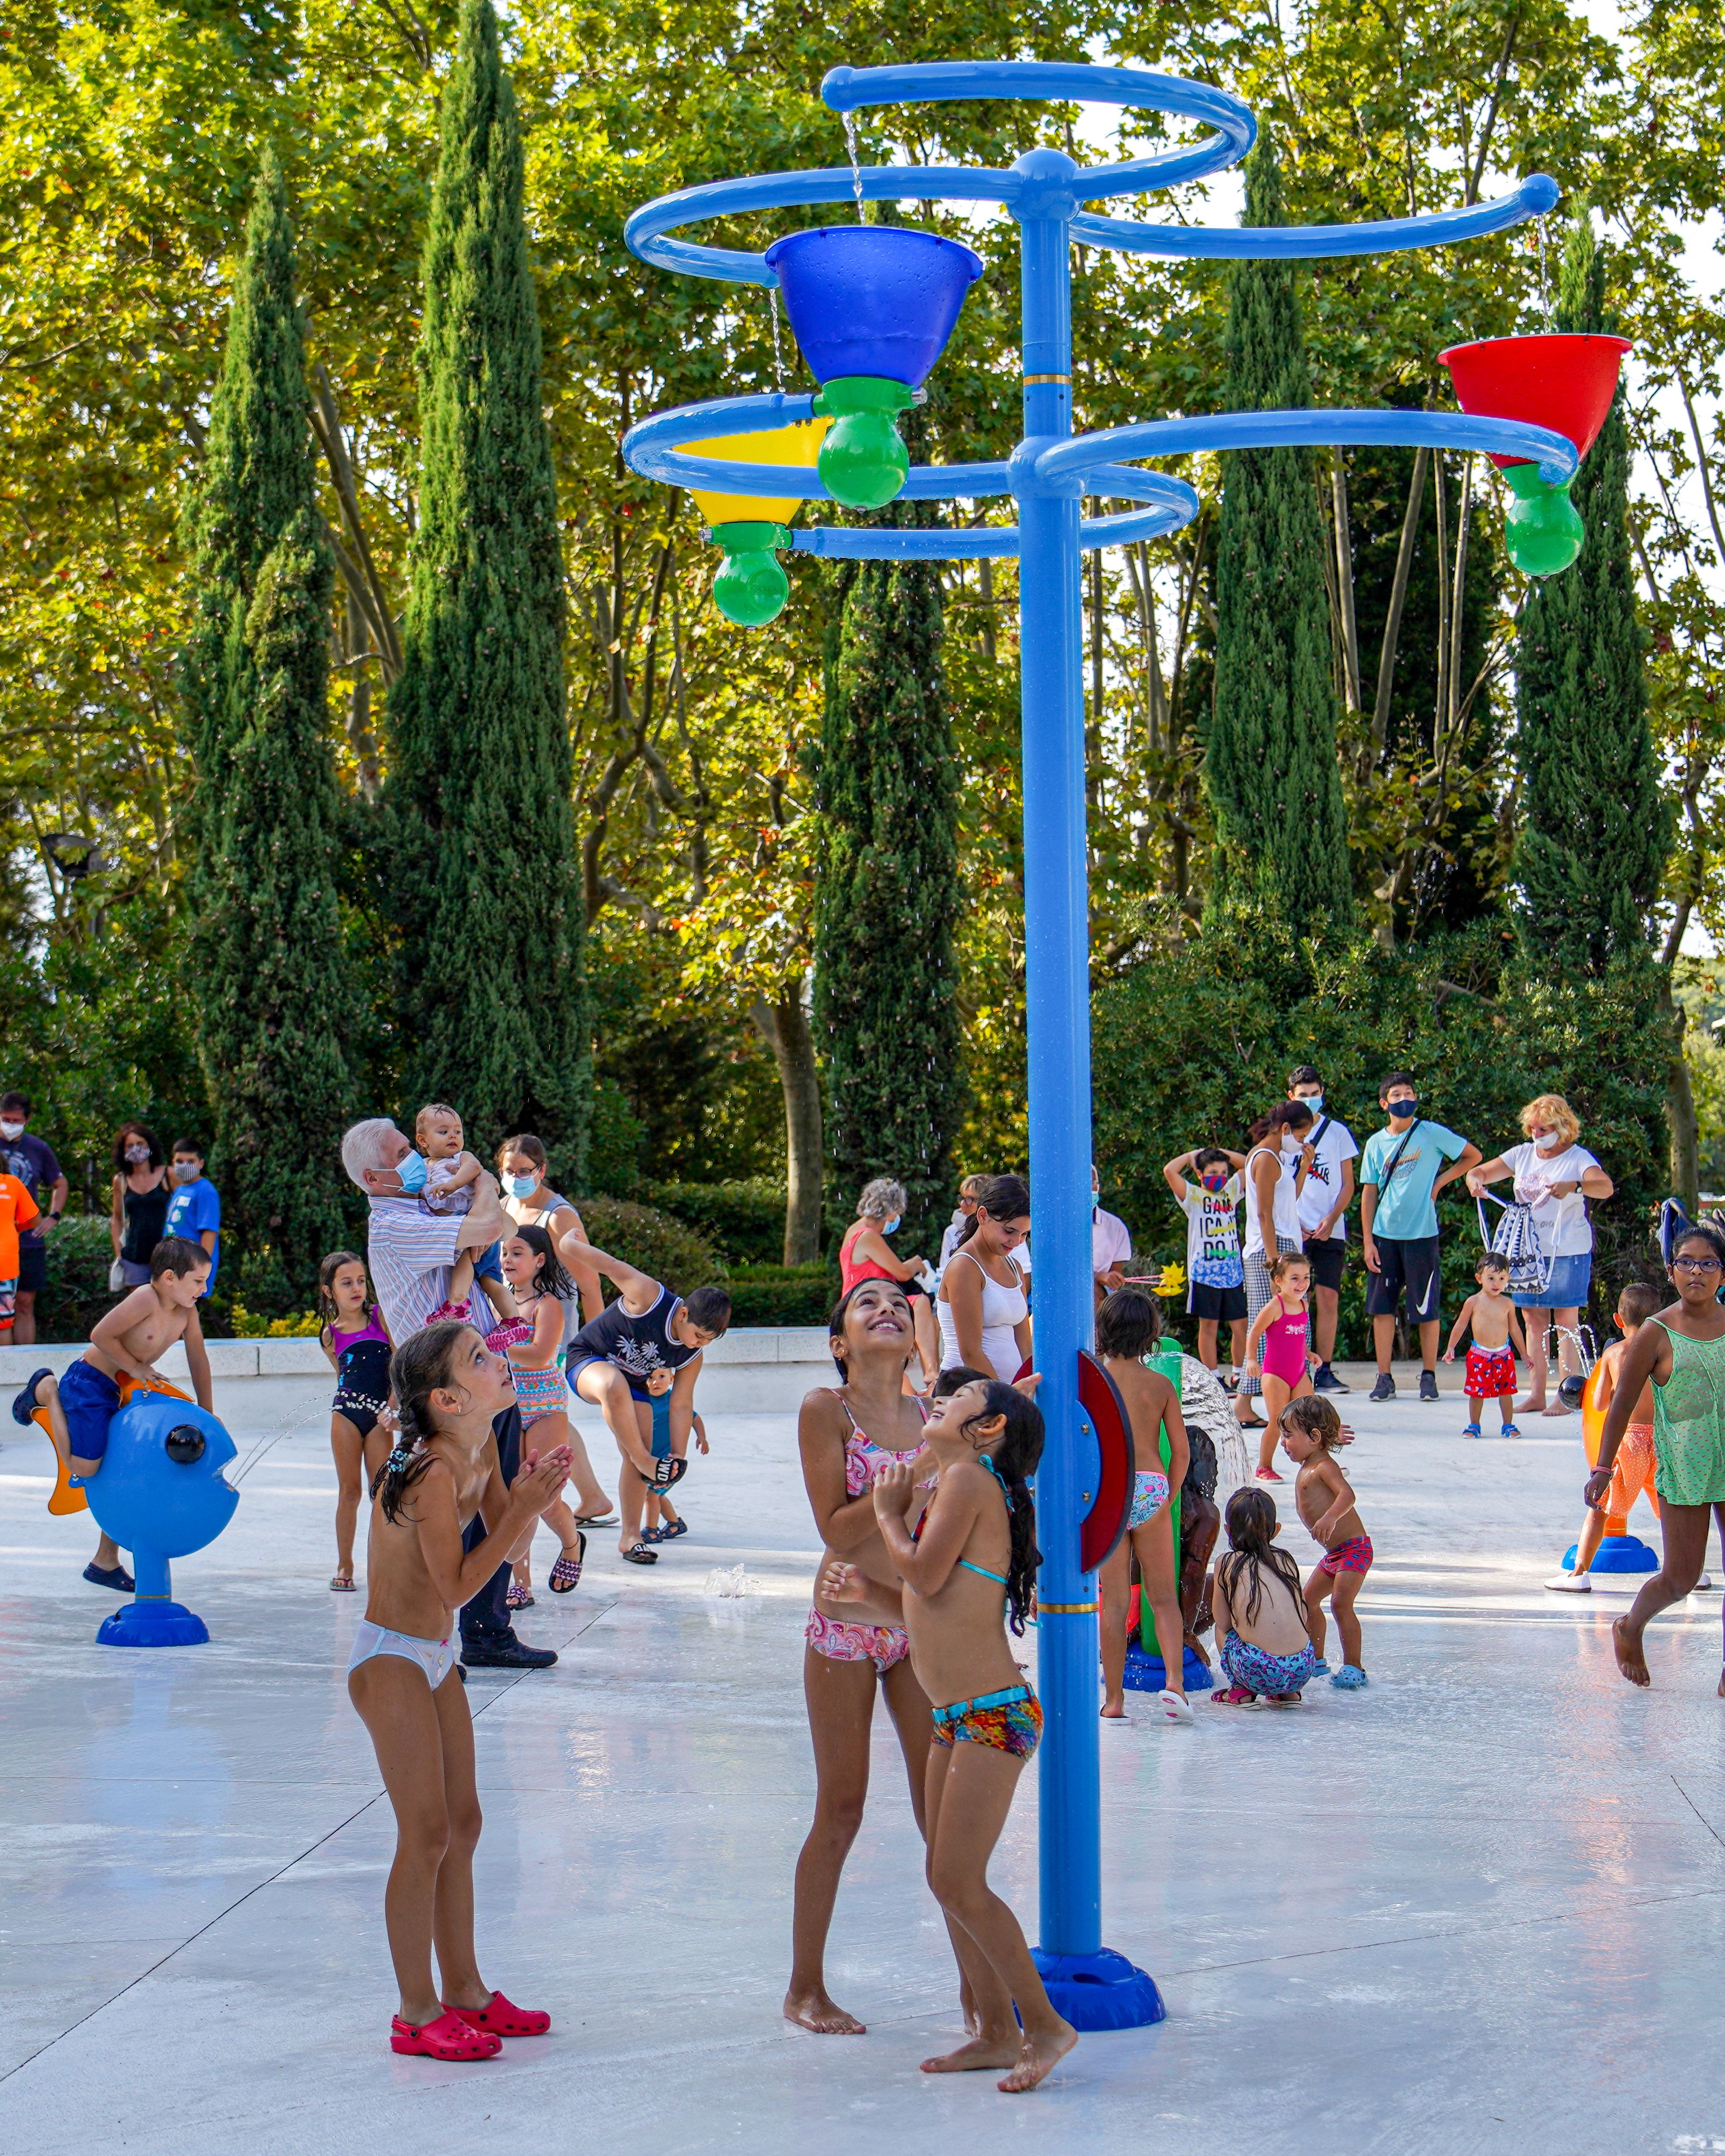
871, 307
161, 1494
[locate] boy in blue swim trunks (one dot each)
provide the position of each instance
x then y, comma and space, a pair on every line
126, 1342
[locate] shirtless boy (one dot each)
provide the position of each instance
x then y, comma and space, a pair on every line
1491, 1369
128, 1340
1311, 1428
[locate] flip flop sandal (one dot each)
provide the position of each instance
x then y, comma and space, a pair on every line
342, 1584
518, 1597
502, 2017
640, 1554
450, 2036
565, 1575
668, 1473
595, 1519
1235, 1696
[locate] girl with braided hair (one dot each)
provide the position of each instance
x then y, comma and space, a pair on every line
404, 1681
969, 1568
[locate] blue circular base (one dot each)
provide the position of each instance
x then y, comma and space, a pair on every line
1617, 1554
1100, 1990
1144, 1671
153, 1624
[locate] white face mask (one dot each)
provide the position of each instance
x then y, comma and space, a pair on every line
1548, 1142
11, 1130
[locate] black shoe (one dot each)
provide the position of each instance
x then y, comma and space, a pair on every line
1428, 1385
506, 1653
1327, 1381
23, 1406
1384, 1389
115, 1578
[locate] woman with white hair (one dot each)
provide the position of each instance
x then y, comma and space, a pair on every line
865, 1253
1555, 1175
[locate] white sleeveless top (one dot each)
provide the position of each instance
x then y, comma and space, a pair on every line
1284, 1202
1003, 1310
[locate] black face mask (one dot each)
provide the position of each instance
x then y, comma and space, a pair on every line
1402, 1107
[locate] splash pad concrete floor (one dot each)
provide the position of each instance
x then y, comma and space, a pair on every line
1479, 1906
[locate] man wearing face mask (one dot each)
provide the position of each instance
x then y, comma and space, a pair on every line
1401, 1171
411, 1254
1324, 1199
31, 1159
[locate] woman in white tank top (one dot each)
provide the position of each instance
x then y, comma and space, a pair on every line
984, 1313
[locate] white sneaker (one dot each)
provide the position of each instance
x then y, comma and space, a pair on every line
1571, 1583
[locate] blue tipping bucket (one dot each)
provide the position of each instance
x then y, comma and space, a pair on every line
872, 299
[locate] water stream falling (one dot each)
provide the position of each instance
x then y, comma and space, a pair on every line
777, 348
855, 168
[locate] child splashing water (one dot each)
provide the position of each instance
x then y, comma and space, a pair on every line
532, 1340
1260, 1609
405, 1686
969, 1564
1128, 1326
1311, 1431
1277, 1341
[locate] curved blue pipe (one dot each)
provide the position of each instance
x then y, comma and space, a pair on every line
1072, 467
1289, 242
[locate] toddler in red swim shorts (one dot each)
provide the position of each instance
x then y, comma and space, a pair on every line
1311, 1431
1491, 1373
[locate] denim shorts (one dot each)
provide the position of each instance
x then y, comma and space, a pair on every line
1571, 1279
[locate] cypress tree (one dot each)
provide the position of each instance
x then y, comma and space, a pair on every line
886, 892
266, 927
1595, 828
1269, 759
491, 987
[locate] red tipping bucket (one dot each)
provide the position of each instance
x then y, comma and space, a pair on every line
1566, 382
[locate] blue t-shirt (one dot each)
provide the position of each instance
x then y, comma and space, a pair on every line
1405, 1211
194, 1207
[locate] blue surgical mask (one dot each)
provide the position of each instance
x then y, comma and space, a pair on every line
1315, 1101
1095, 1201
412, 1171
891, 1227
521, 1186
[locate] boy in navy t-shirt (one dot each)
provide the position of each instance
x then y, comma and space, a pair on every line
195, 1209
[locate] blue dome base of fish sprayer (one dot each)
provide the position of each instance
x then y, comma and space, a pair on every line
871, 307
854, 335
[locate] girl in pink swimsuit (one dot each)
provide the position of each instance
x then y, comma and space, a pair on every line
847, 1433
1277, 1344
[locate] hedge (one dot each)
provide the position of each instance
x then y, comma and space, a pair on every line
642, 1236
782, 1295
743, 1221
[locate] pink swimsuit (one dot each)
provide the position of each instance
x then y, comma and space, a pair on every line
1283, 1347
837, 1638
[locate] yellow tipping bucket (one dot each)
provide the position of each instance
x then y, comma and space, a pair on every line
798, 444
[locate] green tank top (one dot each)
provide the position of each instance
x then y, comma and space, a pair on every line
1689, 1422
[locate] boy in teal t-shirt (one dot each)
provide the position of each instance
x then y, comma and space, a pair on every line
1401, 1169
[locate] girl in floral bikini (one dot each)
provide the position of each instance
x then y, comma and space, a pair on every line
532, 1340
970, 1561
846, 1433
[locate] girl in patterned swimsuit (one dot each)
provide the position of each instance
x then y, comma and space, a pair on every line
532, 1340
969, 1564
1128, 1326
356, 1341
847, 1433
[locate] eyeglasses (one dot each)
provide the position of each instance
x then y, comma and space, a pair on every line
1695, 1265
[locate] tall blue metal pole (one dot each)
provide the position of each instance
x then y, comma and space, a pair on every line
1057, 998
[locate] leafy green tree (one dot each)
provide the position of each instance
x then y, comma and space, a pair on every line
1271, 769
1594, 830
886, 896
492, 988
266, 928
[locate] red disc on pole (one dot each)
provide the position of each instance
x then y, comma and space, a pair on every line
1565, 383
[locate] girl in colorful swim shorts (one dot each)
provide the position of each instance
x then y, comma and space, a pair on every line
1128, 1326
846, 1433
533, 1342
1311, 1431
1260, 1608
968, 1567
357, 1343
403, 1681
1277, 1344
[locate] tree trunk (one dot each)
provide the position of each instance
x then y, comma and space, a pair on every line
785, 1026
1680, 1118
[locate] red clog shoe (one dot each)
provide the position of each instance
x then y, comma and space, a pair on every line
451, 2037
502, 2017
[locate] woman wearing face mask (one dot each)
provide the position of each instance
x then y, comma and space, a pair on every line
1555, 1175
530, 1202
141, 1194
865, 1254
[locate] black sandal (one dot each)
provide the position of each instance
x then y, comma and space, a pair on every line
566, 1572
640, 1554
668, 1473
